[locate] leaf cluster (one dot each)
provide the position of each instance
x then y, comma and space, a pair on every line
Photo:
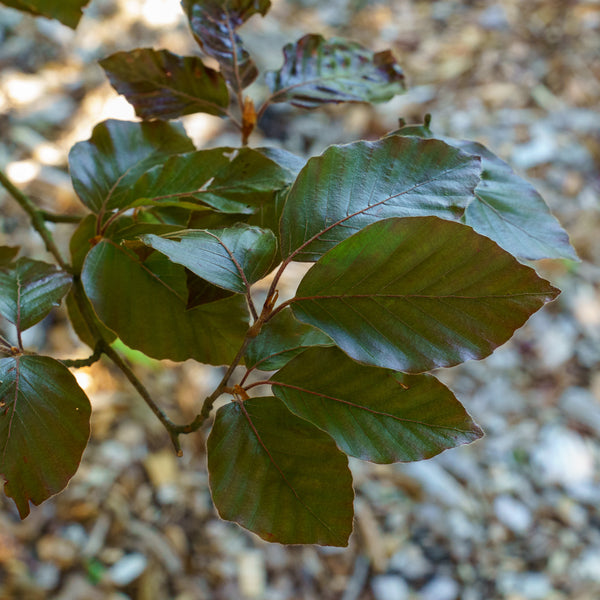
416, 242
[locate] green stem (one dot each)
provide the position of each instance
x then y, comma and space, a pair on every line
37, 219
56, 218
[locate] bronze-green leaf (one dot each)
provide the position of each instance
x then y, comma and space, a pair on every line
418, 293
278, 475
374, 414
67, 12
44, 428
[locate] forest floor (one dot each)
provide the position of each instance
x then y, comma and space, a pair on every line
513, 516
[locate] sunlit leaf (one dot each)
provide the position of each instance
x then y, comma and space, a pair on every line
282, 338
214, 24
104, 168
349, 187
67, 12
29, 290
316, 72
232, 258
149, 312
374, 414
44, 428
163, 85
278, 475
418, 293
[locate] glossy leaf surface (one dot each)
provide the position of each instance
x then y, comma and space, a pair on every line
104, 168
225, 179
278, 475
44, 428
147, 308
232, 258
419, 293
282, 338
29, 290
163, 85
67, 12
349, 187
373, 414
214, 24
316, 72
507, 208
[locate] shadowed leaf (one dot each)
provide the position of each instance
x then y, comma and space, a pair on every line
67, 12
419, 293
316, 72
373, 414
163, 85
278, 475
44, 428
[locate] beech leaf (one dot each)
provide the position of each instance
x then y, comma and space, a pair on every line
373, 414
67, 12
44, 428
278, 475
232, 258
418, 293
149, 312
104, 168
214, 24
316, 72
349, 187
163, 85
280, 339
29, 290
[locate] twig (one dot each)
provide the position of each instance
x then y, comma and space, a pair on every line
56, 218
37, 219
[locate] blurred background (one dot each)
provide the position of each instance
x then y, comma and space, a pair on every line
514, 516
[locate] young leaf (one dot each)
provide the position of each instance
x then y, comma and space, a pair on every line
104, 168
282, 338
44, 428
163, 85
214, 24
316, 72
372, 413
349, 187
418, 293
67, 12
232, 258
226, 179
29, 290
507, 208
148, 312
278, 475
7, 255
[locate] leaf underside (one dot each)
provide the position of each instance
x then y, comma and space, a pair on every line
316, 72
373, 414
44, 428
163, 85
278, 475
418, 293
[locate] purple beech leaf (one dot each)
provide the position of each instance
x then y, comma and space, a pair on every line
316, 72
278, 475
373, 414
105, 167
419, 293
232, 258
67, 12
163, 85
214, 24
29, 290
149, 312
44, 428
349, 187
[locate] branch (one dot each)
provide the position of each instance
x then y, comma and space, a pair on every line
56, 218
37, 219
